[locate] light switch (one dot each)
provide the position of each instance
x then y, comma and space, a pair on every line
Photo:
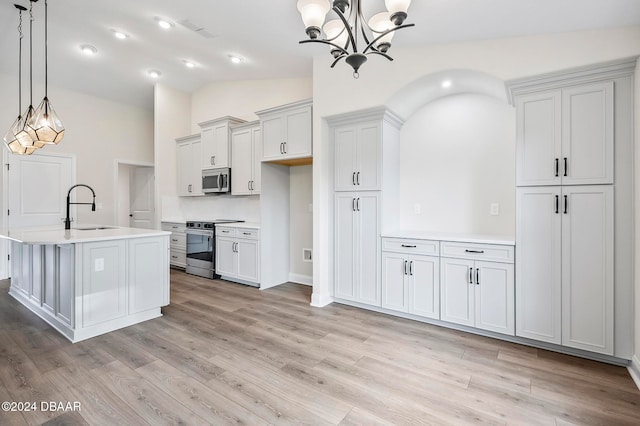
495, 209
99, 264
417, 208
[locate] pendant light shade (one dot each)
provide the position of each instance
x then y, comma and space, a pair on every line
48, 128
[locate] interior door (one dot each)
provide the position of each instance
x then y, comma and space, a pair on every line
141, 200
37, 189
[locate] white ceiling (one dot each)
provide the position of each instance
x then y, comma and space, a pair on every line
266, 33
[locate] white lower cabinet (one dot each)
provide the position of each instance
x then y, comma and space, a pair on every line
238, 255
410, 281
357, 253
177, 243
565, 288
478, 293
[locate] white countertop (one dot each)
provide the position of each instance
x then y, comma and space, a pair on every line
180, 221
453, 237
58, 235
247, 225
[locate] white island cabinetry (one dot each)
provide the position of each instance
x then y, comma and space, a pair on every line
88, 282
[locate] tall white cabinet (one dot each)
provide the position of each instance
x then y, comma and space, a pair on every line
366, 149
573, 151
246, 148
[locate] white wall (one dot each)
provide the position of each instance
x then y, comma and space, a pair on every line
301, 219
457, 155
637, 217
335, 91
98, 132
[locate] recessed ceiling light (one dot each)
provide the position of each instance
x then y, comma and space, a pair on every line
154, 73
235, 59
88, 49
163, 23
446, 84
120, 35
189, 64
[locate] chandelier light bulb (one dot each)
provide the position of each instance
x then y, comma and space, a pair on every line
397, 10
380, 23
313, 13
337, 34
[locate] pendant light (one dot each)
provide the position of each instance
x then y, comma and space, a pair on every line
30, 114
17, 139
47, 126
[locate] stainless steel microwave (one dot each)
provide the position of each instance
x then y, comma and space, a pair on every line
216, 180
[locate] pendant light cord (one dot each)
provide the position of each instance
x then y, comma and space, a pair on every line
46, 51
31, 54
20, 65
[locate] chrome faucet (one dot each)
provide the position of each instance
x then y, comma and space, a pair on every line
67, 220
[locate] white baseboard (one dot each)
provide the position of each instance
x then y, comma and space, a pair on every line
634, 370
320, 300
300, 279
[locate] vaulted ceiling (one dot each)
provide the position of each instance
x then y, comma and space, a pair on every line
264, 34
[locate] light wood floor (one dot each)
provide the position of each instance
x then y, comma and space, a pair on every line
229, 354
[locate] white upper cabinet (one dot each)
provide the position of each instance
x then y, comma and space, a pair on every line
286, 132
188, 172
215, 136
357, 157
565, 136
246, 156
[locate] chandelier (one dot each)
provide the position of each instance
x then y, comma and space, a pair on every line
343, 34
41, 126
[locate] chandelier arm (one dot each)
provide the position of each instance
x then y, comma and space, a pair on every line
333, 64
347, 27
364, 24
370, 46
343, 51
377, 52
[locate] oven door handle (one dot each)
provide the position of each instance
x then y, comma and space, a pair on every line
201, 233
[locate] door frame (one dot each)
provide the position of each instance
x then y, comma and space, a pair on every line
116, 195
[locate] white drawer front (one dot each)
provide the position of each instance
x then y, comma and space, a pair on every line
490, 252
414, 246
178, 241
178, 257
225, 232
173, 227
251, 234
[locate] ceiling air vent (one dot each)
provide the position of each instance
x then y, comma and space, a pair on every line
198, 29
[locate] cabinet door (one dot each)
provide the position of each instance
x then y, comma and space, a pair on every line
394, 285
538, 264
345, 143
215, 146
226, 262
272, 137
146, 277
207, 138
494, 297
587, 134
241, 162
183, 168
298, 133
368, 159
457, 291
345, 249
256, 152
368, 249
424, 286
587, 268
248, 260
538, 132
196, 172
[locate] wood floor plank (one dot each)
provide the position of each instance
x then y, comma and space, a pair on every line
207, 402
149, 402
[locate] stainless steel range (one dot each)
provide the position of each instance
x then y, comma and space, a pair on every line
201, 247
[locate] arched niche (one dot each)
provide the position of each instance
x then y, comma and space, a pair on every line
433, 86
457, 154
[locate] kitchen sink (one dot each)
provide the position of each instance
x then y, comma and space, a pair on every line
94, 228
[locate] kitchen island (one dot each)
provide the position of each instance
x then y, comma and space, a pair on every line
90, 280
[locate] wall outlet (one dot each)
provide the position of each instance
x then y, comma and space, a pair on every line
495, 209
306, 255
99, 264
417, 208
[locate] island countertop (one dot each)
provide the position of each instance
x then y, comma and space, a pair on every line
78, 234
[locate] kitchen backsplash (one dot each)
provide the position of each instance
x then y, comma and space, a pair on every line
211, 207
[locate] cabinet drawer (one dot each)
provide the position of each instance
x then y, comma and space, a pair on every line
178, 241
251, 234
490, 252
178, 257
412, 246
173, 227
224, 231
